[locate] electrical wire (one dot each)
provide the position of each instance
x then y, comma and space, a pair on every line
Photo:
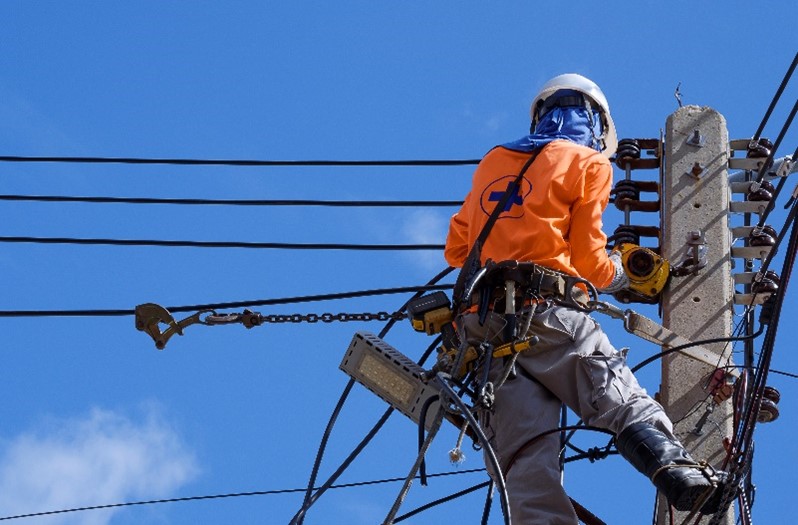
224, 496
235, 162
483, 440
221, 244
440, 501
701, 342
229, 202
310, 496
772, 203
776, 97
236, 304
769, 161
740, 451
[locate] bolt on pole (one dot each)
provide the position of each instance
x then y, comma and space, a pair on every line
695, 201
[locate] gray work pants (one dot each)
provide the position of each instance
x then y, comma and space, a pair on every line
573, 363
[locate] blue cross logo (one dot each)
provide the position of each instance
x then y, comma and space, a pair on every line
515, 198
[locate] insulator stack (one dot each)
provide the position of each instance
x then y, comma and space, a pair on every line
753, 243
628, 194
769, 409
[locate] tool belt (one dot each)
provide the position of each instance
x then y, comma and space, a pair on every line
534, 284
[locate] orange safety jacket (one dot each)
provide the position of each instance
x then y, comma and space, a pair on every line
554, 219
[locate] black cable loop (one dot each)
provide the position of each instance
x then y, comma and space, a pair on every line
744, 433
422, 420
572, 428
702, 342
488, 502
488, 450
310, 495
738, 460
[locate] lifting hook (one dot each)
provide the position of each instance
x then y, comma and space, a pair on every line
150, 315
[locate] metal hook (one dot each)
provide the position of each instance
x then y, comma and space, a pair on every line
150, 315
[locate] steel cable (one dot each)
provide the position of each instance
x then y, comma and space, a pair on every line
227, 202
310, 496
233, 162
776, 97
223, 496
235, 304
220, 244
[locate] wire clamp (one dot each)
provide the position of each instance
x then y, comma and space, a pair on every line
150, 315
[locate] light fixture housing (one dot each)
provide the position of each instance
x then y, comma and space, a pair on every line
392, 376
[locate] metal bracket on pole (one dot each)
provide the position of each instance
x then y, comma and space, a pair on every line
650, 330
696, 258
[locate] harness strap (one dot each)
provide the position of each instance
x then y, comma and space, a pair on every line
474, 260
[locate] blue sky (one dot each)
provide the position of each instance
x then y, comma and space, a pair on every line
94, 414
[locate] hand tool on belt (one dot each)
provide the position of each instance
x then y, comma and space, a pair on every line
523, 284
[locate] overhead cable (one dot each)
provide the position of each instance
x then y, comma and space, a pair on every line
221, 244
787, 123
221, 306
776, 97
230, 495
228, 202
310, 495
236, 162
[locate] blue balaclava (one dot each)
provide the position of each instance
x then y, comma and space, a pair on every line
563, 122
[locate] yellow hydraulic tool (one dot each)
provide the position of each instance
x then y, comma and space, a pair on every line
648, 273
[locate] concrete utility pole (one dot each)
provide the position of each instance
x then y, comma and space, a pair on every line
695, 203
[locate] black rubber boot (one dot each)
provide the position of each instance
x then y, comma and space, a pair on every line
651, 452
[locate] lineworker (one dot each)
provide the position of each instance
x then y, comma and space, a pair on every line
554, 220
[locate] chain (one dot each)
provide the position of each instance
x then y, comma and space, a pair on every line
250, 319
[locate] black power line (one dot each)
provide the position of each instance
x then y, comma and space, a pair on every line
237, 162
222, 496
221, 306
222, 244
776, 97
228, 202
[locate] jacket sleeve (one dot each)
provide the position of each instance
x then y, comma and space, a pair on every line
456, 249
588, 241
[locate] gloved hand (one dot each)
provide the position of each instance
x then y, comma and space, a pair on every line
621, 280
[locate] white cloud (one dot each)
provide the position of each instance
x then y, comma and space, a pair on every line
102, 458
426, 227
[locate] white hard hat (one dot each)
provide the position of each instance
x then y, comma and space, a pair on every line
586, 87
